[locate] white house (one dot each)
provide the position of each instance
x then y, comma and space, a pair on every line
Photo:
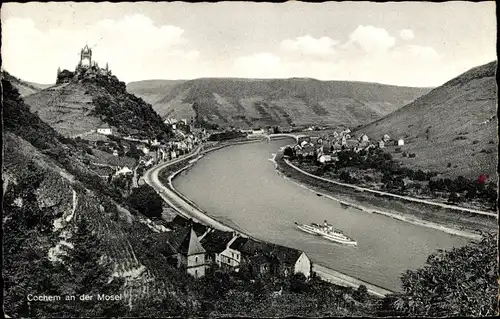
294, 262
344, 141
401, 142
170, 121
145, 150
115, 152
381, 144
105, 130
364, 138
325, 158
386, 138
124, 170
162, 154
149, 162
231, 256
303, 265
258, 132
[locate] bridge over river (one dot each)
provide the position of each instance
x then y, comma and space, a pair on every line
296, 137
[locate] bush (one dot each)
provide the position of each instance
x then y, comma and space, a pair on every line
298, 283
145, 199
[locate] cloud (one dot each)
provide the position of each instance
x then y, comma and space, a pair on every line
134, 46
309, 46
406, 34
412, 52
257, 65
371, 39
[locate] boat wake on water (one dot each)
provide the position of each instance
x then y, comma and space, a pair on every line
328, 232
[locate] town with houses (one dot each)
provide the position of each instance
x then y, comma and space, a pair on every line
92, 209
325, 147
188, 245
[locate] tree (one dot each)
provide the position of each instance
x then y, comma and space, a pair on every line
298, 283
361, 293
288, 152
134, 152
453, 198
145, 199
459, 282
345, 177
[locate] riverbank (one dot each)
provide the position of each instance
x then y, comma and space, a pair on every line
189, 209
460, 223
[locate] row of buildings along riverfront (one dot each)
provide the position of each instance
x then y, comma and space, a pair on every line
194, 247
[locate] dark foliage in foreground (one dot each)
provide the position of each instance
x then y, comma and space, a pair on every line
459, 282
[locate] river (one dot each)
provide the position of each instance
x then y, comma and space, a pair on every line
239, 185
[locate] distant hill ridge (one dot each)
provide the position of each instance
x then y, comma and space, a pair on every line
452, 129
268, 102
25, 88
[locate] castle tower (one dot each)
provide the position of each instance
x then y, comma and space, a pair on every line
58, 71
86, 57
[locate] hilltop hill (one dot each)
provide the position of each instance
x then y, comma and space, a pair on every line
49, 192
25, 88
284, 102
452, 129
83, 101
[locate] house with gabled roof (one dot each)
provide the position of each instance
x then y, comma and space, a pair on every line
215, 243
223, 248
290, 261
183, 249
231, 255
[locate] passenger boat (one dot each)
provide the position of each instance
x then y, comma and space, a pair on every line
328, 232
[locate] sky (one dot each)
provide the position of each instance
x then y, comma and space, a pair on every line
408, 44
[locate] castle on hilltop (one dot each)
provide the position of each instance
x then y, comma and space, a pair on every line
87, 66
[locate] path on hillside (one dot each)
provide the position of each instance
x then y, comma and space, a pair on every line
412, 199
